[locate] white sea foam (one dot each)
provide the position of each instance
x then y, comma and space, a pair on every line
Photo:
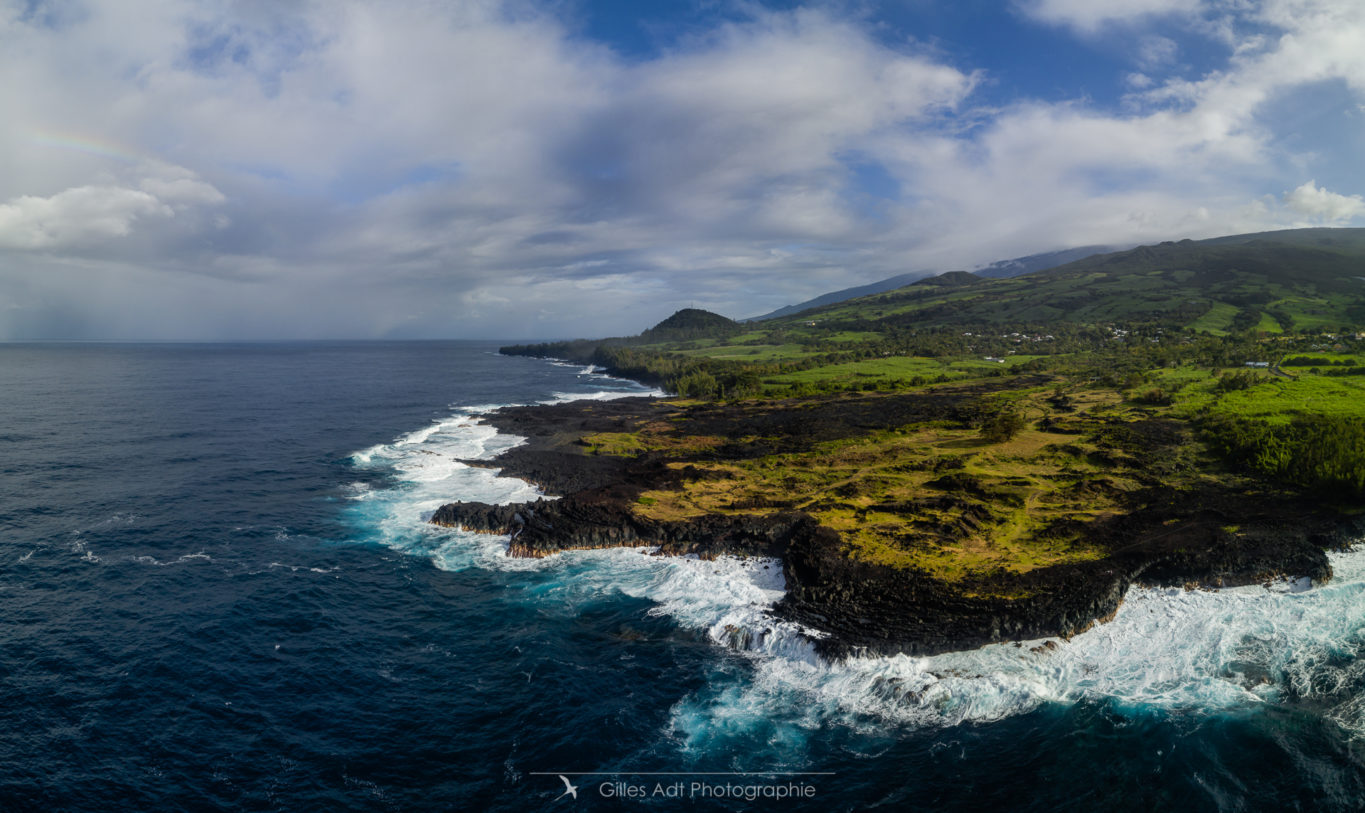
590, 369
604, 395
357, 491
1166, 648
300, 568
728, 597
78, 546
179, 560
429, 470
1170, 649
591, 375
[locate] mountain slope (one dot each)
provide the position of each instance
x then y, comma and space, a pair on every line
1000, 269
889, 284
1274, 281
1004, 269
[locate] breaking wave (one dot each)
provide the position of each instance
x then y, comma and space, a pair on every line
1166, 648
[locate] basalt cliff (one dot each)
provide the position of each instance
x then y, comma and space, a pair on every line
814, 481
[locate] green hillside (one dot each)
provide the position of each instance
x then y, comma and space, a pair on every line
1295, 280
691, 323
1125, 310
1207, 370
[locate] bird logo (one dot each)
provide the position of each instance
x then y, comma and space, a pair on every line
570, 789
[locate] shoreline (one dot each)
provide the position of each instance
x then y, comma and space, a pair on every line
862, 607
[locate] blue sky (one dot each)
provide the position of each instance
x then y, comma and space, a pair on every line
539, 168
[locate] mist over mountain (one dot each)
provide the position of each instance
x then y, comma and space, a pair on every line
1274, 282
1003, 269
997, 270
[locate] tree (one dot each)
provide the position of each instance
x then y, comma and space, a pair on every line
697, 384
1002, 426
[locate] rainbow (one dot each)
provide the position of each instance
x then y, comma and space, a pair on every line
88, 145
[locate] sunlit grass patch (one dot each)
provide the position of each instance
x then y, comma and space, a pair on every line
657, 436
753, 352
1216, 320
934, 497
1280, 399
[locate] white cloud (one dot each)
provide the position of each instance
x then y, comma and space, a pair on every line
93, 215
1088, 16
1138, 81
437, 169
1322, 205
1157, 52
73, 216
182, 191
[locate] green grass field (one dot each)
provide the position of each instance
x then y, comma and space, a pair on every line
752, 352
1314, 313
1279, 400
1216, 321
1269, 324
896, 368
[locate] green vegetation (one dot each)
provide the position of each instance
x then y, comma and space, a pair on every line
691, 323
1217, 320
950, 497
1231, 363
1323, 452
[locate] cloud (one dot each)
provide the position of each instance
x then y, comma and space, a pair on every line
94, 215
182, 191
421, 169
1157, 52
1322, 205
1088, 16
78, 215
1138, 81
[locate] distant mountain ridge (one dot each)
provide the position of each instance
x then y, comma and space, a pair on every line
1270, 281
1004, 269
889, 284
1000, 269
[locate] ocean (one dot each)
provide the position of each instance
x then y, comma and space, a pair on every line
218, 591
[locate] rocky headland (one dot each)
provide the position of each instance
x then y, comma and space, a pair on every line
1128, 515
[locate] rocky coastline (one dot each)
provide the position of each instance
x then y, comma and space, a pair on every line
1172, 537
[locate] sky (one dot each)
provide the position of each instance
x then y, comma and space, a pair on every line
207, 170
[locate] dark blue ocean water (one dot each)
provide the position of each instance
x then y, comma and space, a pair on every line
217, 592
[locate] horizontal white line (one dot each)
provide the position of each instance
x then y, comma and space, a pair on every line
681, 773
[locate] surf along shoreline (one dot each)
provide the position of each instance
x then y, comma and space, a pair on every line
1163, 537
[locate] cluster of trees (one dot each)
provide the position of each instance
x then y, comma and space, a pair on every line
1249, 318
1316, 451
691, 323
688, 376
802, 389
1239, 380
692, 377
1326, 366
1317, 361
1002, 425
1155, 397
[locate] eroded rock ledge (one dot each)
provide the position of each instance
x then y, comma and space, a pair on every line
1175, 537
